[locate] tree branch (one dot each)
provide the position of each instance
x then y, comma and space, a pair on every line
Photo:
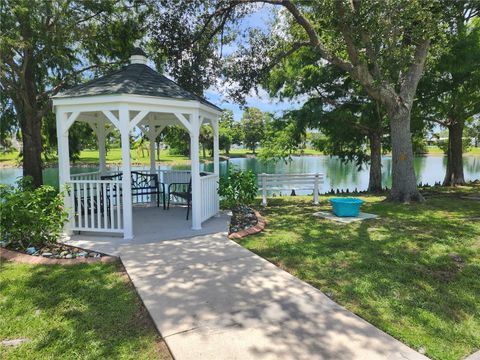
65, 81
281, 56
409, 84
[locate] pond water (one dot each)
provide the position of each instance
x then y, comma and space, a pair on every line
338, 175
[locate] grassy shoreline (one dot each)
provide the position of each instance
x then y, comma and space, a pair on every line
413, 272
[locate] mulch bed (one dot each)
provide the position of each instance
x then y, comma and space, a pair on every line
60, 254
245, 221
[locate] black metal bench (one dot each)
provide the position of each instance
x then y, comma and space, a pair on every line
142, 184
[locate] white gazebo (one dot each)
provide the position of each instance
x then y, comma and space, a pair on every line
135, 96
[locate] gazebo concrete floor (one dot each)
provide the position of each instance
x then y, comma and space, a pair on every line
150, 224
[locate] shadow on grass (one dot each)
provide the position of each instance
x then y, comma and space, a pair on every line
411, 272
84, 312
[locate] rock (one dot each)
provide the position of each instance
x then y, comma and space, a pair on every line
63, 253
455, 257
69, 256
14, 342
31, 250
422, 350
82, 254
47, 254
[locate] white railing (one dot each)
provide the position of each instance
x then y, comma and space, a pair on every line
168, 177
173, 176
209, 196
96, 205
279, 182
95, 175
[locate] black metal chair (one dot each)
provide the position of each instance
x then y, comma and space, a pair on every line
183, 191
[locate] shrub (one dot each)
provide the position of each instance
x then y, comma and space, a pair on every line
237, 188
31, 217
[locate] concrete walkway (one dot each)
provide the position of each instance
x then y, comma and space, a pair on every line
212, 299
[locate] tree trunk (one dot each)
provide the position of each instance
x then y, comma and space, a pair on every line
404, 183
375, 179
32, 147
454, 174
204, 151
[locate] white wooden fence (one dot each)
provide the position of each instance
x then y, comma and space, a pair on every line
96, 205
279, 182
209, 196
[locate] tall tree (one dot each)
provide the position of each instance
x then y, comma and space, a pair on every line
353, 125
187, 42
253, 127
449, 93
47, 45
382, 44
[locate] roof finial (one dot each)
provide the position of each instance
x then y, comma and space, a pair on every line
138, 56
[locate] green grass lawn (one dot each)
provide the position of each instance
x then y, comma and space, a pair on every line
114, 156
9, 158
435, 150
414, 272
246, 152
77, 312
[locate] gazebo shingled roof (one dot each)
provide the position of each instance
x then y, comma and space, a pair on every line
134, 79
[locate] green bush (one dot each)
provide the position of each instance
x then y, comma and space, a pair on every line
31, 217
237, 188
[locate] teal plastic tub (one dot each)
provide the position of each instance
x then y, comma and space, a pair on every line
346, 207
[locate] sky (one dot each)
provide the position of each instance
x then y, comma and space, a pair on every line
262, 100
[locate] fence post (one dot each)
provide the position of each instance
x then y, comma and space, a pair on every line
264, 189
315, 190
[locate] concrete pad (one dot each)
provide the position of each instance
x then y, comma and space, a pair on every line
150, 224
344, 220
228, 303
168, 256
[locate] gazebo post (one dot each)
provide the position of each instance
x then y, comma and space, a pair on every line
216, 156
124, 122
195, 171
102, 153
63, 161
216, 150
151, 139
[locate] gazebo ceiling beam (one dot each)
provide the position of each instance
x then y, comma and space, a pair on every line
184, 121
112, 118
136, 120
70, 120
